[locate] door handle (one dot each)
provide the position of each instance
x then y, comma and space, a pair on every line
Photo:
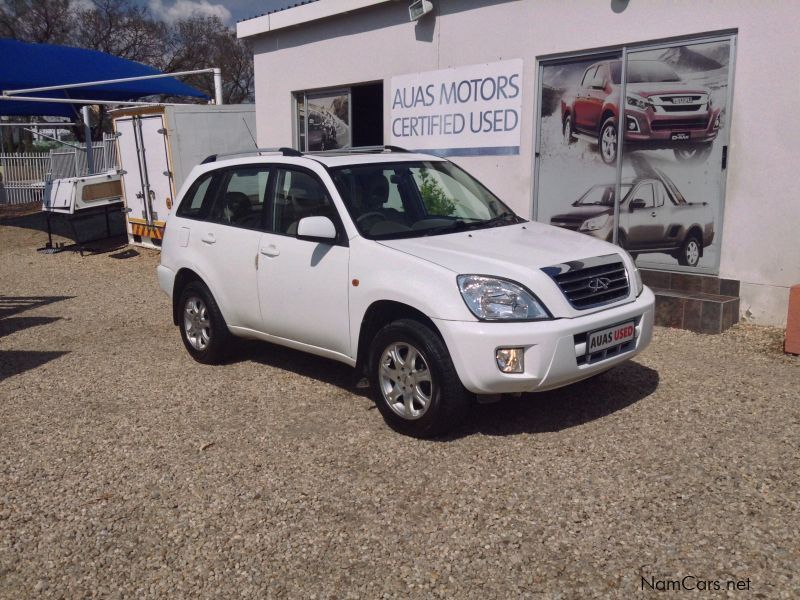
270, 250
208, 239
653, 214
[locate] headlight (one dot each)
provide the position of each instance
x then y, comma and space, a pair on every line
637, 101
493, 299
637, 279
595, 223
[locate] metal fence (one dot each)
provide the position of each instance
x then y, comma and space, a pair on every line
23, 176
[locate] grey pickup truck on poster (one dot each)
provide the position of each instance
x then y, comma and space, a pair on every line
654, 216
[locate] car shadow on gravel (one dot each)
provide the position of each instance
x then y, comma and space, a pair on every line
304, 364
566, 407
544, 412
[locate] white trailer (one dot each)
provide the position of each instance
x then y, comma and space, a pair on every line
157, 146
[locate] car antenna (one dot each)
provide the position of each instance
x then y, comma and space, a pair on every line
251, 136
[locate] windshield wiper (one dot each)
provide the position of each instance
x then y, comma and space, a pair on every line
493, 222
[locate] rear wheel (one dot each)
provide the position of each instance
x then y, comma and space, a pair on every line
690, 251
415, 384
567, 131
203, 329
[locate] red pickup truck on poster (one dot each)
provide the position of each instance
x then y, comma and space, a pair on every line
661, 110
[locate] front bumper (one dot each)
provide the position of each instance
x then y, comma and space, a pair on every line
553, 349
656, 130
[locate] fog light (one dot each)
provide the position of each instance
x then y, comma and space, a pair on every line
717, 122
633, 124
510, 360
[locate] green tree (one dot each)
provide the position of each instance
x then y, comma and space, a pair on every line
434, 197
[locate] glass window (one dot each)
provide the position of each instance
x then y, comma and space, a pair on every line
408, 199
241, 201
644, 193
588, 76
298, 195
197, 201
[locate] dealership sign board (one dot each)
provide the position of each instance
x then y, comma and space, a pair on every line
473, 110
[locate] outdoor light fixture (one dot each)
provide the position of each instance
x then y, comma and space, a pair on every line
418, 9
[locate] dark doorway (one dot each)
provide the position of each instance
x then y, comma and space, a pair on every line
367, 111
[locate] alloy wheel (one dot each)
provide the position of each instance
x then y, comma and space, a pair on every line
692, 252
405, 380
608, 144
196, 323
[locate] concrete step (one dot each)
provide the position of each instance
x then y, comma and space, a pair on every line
702, 303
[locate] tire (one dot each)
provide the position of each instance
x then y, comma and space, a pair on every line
607, 141
567, 130
203, 328
430, 399
692, 153
690, 251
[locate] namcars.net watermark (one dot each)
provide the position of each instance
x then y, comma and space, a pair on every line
692, 583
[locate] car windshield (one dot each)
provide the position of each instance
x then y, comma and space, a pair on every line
645, 71
412, 199
601, 195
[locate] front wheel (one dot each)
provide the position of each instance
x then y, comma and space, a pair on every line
415, 384
690, 251
608, 141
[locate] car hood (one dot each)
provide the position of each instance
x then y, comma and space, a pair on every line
512, 251
585, 212
667, 87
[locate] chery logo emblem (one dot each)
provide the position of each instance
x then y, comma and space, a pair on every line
599, 283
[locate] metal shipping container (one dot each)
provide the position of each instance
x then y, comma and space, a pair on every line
157, 148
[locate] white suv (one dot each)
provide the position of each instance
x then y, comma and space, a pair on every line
403, 266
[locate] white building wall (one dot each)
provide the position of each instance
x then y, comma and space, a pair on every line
761, 232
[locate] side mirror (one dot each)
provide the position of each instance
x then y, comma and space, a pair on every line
636, 204
316, 229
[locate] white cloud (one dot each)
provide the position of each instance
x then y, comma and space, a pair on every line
182, 9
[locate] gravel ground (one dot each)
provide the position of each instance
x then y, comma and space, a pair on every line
126, 469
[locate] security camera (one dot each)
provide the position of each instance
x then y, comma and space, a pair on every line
419, 8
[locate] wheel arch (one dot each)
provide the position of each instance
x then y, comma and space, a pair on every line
608, 112
379, 314
183, 277
697, 230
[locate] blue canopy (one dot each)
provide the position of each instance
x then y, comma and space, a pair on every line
24, 65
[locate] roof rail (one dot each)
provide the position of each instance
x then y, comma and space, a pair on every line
292, 152
359, 150
257, 151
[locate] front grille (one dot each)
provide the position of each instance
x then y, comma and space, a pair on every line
682, 107
693, 123
591, 282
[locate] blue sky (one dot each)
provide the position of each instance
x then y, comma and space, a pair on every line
229, 11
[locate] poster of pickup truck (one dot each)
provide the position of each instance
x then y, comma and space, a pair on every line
654, 216
672, 158
661, 110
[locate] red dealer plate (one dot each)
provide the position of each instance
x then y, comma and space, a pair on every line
597, 341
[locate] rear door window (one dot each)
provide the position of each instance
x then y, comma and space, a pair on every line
240, 202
